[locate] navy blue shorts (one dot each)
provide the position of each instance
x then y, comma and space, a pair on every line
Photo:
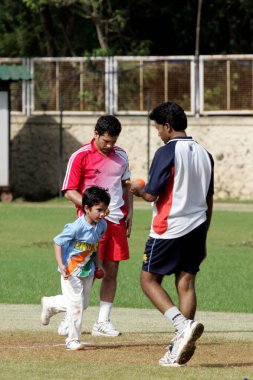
183, 254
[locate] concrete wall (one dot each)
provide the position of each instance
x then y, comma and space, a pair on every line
35, 164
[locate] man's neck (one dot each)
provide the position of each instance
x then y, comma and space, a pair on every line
176, 134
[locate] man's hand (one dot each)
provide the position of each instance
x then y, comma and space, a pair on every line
138, 190
135, 188
128, 222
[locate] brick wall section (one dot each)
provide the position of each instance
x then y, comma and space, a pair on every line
35, 164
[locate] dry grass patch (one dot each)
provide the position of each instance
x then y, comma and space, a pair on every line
132, 356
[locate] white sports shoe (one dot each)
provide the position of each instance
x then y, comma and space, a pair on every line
47, 312
184, 344
63, 328
169, 361
74, 345
105, 329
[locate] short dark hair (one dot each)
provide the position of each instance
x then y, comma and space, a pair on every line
93, 195
171, 113
109, 124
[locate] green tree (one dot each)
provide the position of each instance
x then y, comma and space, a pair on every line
109, 23
227, 27
124, 27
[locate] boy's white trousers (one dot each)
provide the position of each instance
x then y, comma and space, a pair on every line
74, 300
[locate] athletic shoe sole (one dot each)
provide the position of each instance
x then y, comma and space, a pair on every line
186, 352
81, 347
171, 365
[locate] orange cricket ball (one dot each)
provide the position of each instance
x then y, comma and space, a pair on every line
140, 182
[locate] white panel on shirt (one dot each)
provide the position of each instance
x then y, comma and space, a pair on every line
188, 211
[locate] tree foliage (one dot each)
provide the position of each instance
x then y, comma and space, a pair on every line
123, 27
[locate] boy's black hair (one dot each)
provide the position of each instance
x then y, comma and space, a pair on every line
94, 195
109, 124
171, 113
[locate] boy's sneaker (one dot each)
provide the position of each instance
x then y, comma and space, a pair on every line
47, 312
63, 328
169, 361
184, 345
105, 329
74, 345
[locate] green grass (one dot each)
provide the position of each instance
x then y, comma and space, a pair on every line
70, 370
235, 200
28, 266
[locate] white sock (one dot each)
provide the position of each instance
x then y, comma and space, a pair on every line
176, 317
104, 311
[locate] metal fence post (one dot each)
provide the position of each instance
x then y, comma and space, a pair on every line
61, 104
148, 133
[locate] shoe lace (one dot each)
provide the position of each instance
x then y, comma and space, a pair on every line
107, 325
110, 325
169, 357
173, 340
173, 344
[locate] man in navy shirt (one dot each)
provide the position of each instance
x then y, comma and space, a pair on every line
181, 186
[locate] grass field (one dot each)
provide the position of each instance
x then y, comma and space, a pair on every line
29, 269
134, 357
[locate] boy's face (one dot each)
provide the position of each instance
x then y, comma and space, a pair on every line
95, 213
105, 142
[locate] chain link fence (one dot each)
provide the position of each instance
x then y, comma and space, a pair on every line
122, 85
226, 84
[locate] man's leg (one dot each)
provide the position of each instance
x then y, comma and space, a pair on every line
185, 284
151, 285
103, 326
113, 248
109, 281
187, 331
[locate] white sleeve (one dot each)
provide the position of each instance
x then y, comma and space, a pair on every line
127, 172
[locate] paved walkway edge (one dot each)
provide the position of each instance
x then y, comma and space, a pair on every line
229, 325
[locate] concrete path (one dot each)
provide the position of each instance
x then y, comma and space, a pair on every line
246, 207
229, 325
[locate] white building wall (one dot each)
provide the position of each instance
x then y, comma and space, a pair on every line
35, 159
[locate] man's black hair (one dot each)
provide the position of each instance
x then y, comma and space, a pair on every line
171, 113
94, 195
109, 124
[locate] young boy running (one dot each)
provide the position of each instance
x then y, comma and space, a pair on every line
75, 251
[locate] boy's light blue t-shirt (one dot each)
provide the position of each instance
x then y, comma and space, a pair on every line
79, 242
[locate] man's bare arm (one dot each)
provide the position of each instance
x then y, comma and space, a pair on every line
209, 211
129, 206
74, 196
